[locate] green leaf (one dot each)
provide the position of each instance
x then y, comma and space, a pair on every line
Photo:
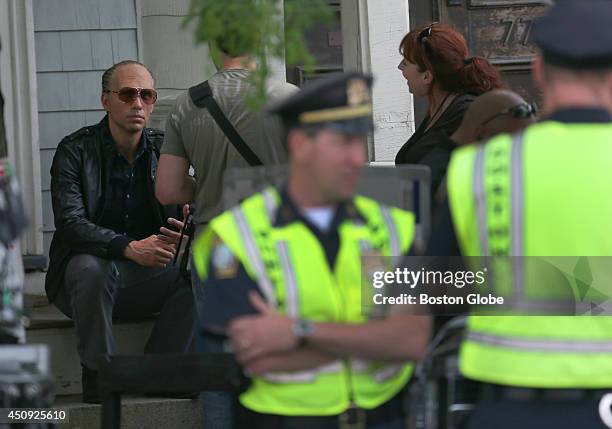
254, 27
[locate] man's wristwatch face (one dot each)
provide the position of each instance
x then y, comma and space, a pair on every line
302, 328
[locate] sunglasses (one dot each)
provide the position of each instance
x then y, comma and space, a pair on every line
425, 33
520, 111
129, 94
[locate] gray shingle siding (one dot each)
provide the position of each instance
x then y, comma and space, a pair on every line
75, 41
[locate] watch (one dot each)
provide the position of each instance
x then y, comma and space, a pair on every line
302, 329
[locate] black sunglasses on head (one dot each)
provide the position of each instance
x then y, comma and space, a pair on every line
128, 94
520, 111
425, 33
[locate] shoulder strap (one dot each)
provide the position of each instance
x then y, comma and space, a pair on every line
202, 96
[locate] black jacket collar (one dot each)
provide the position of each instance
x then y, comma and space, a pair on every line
581, 115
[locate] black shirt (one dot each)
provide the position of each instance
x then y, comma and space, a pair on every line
128, 209
423, 141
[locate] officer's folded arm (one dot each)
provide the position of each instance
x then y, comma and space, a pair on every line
264, 340
399, 337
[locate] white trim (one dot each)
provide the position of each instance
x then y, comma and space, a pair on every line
21, 112
264, 282
480, 196
371, 33
569, 345
278, 68
139, 42
292, 300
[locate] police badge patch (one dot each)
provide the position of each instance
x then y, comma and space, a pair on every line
224, 262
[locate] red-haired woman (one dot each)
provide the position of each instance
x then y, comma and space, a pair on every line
437, 66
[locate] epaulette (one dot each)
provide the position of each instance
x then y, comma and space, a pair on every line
85, 131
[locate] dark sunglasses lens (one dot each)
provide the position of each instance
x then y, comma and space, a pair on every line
128, 94
149, 96
425, 33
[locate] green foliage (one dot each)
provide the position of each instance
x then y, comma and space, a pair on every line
255, 27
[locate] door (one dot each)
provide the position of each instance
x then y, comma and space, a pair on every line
325, 44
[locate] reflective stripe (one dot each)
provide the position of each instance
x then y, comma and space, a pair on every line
481, 202
270, 202
330, 368
290, 377
392, 228
253, 254
334, 367
380, 375
542, 344
365, 245
548, 307
360, 365
517, 208
292, 301
387, 372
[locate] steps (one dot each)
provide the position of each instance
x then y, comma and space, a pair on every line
136, 413
49, 326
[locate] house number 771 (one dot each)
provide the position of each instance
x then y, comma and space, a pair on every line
513, 26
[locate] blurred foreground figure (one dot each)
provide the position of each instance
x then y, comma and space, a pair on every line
12, 224
540, 193
212, 128
282, 277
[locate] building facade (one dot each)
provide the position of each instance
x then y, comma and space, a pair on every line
54, 52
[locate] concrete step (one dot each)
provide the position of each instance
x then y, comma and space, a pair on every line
49, 326
136, 413
34, 284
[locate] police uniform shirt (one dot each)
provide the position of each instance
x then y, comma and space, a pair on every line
227, 286
443, 241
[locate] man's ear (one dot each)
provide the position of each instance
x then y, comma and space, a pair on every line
104, 99
298, 144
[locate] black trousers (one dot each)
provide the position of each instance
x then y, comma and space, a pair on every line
536, 414
96, 290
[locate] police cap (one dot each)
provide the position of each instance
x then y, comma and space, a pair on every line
341, 102
576, 34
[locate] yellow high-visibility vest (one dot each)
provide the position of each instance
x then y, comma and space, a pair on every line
542, 193
291, 270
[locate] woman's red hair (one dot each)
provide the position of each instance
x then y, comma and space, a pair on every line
445, 53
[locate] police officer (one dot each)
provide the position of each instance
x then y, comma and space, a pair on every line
542, 192
283, 278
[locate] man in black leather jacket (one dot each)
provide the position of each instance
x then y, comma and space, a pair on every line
111, 253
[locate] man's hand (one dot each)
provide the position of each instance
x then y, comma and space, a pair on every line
150, 252
266, 333
170, 236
